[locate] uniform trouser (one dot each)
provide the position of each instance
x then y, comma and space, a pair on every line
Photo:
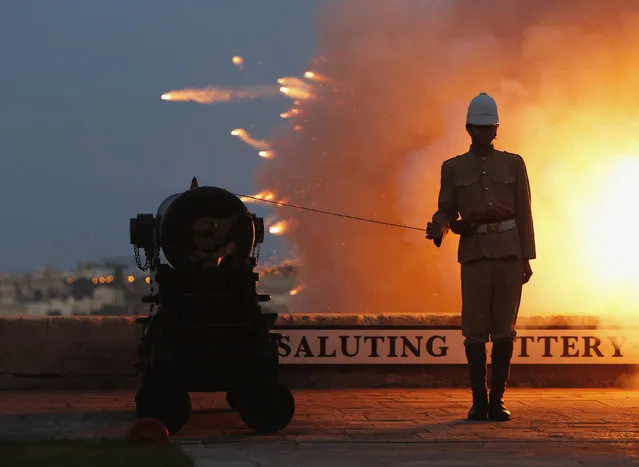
491, 293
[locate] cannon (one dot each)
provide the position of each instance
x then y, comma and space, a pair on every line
206, 331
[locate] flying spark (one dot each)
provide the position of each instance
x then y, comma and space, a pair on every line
238, 62
212, 95
296, 290
293, 81
248, 139
279, 228
312, 76
265, 195
290, 113
295, 88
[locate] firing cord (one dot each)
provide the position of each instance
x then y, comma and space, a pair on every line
422, 229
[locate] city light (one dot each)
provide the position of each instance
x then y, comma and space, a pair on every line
131, 279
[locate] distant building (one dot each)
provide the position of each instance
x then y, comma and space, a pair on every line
88, 290
108, 288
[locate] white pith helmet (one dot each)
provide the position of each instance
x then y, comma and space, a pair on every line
482, 111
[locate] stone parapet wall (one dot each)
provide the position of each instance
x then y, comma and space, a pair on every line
99, 352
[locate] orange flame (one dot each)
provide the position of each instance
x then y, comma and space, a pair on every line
266, 154
615, 262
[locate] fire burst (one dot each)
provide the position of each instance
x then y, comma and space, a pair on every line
581, 108
266, 154
615, 261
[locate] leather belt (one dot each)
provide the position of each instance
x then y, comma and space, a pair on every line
496, 227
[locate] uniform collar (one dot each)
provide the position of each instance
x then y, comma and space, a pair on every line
481, 151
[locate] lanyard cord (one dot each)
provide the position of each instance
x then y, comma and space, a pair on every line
363, 219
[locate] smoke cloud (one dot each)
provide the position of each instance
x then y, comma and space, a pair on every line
400, 75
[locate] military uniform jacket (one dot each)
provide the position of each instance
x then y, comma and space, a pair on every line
487, 186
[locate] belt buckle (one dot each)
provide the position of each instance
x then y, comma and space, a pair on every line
493, 227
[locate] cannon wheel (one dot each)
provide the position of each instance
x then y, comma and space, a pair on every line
233, 400
172, 408
269, 414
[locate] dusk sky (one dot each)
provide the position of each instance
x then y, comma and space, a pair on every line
85, 140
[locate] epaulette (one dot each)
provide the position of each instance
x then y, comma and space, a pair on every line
511, 154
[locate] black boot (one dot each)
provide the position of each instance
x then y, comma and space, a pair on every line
501, 356
476, 355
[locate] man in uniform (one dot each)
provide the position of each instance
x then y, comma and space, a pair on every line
485, 198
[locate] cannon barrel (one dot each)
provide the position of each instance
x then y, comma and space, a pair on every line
202, 227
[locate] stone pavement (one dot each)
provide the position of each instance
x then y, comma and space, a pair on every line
376, 427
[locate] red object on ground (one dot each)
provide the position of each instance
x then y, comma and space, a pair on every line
148, 430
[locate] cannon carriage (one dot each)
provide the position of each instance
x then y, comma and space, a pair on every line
206, 331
